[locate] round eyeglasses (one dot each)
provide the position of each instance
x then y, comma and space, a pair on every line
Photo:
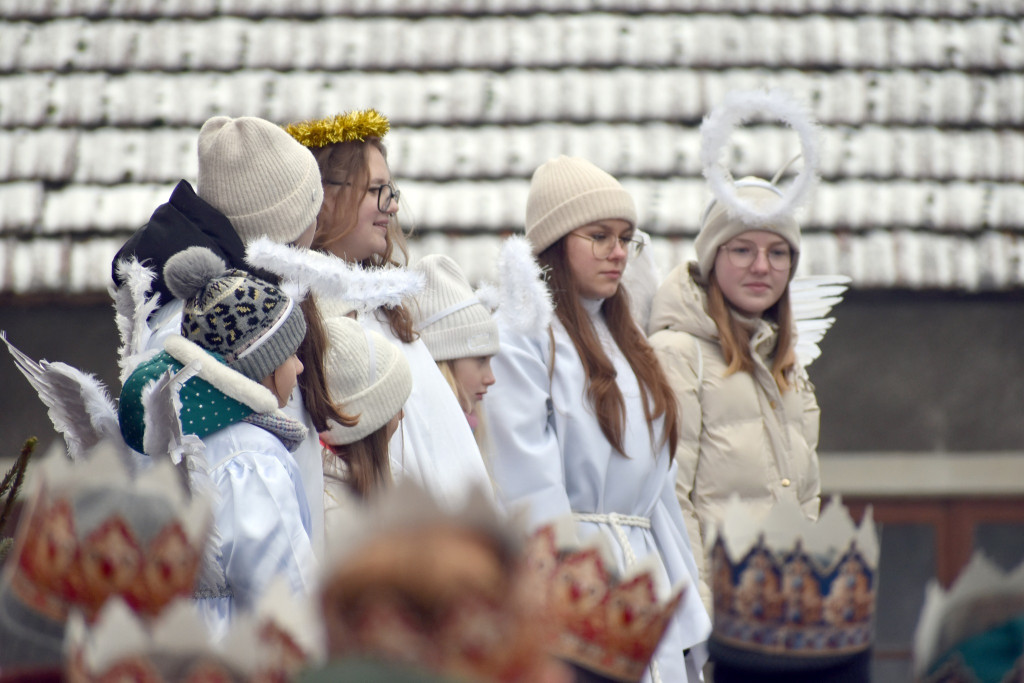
743, 255
604, 243
385, 193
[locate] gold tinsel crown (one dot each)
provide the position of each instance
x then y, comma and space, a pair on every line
353, 125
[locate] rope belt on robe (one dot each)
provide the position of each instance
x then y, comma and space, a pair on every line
616, 522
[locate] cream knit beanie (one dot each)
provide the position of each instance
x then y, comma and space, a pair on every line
450, 319
261, 179
567, 193
718, 227
367, 376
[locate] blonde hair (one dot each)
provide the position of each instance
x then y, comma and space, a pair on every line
447, 368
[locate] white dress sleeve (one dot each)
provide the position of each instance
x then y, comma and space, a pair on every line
526, 457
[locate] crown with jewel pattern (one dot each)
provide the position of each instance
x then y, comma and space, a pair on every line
786, 585
602, 620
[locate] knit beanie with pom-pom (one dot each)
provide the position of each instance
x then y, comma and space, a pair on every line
367, 376
262, 180
567, 193
249, 322
450, 319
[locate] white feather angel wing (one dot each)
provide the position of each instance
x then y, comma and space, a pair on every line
524, 301
641, 280
164, 435
78, 404
330, 277
812, 298
133, 304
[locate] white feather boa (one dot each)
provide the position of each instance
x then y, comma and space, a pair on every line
718, 127
330, 277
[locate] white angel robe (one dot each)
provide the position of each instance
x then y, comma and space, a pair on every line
561, 462
434, 445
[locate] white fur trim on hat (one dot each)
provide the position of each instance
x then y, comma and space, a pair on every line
259, 177
567, 193
450, 319
719, 226
229, 382
367, 376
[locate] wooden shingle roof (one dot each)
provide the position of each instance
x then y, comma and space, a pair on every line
921, 106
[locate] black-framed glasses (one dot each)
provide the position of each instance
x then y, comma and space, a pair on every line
603, 244
743, 255
385, 193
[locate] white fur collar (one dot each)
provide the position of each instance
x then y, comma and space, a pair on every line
229, 382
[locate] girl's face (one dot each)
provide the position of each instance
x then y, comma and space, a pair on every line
369, 235
753, 270
598, 278
284, 379
473, 376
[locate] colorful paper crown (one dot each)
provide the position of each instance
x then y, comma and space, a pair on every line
973, 632
90, 533
348, 127
600, 620
786, 585
272, 644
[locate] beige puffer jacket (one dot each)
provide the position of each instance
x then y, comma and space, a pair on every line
738, 434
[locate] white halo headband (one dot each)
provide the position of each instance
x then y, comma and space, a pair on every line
718, 127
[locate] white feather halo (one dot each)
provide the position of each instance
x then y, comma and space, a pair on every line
718, 127
330, 277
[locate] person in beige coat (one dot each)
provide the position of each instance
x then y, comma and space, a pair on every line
722, 328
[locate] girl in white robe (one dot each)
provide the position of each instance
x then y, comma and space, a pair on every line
358, 223
582, 418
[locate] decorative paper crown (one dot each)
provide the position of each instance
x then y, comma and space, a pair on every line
273, 644
972, 632
599, 620
90, 533
347, 127
786, 585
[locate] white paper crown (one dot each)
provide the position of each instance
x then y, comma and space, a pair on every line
788, 585
275, 642
598, 618
90, 532
978, 621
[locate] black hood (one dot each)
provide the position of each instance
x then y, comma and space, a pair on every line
184, 221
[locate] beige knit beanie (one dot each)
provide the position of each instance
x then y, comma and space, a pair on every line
567, 193
254, 173
718, 227
450, 319
367, 375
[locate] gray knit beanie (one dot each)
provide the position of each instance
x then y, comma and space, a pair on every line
567, 193
718, 227
253, 172
367, 376
450, 319
251, 323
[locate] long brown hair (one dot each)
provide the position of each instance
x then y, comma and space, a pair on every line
313, 380
602, 389
348, 162
369, 466
735, 337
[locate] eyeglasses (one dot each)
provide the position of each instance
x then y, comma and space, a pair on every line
604, 243
742, 255
385, 193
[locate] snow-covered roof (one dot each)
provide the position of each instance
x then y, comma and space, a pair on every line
921, 106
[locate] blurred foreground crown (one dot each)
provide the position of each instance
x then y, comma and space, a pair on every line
792, 595
606, 622
975, 631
